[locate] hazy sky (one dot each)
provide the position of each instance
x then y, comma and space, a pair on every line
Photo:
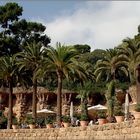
101, 24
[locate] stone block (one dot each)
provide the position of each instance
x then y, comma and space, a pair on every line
124, 131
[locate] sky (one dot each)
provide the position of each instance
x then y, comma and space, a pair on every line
100, 24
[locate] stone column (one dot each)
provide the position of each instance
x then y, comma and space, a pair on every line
138, 83
42, 101
21, 106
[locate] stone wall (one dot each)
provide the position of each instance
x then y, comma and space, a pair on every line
117, 131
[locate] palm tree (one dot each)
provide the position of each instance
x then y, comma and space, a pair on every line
109, 65
31, 59
62, 60
84, 92
7, 73
130, 50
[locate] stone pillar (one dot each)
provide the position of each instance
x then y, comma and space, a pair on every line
21, 106
42, 101
138, 83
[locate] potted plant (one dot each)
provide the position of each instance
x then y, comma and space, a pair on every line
14, 123
31, 122
49, 122
84, 120
137, 111
102, 117
3, 121
66, 120
119, 114
40, 122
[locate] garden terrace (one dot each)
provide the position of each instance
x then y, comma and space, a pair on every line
111, 131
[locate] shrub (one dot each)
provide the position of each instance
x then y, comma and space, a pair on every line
84, 117
118, 113
66, 119
14, 121
101, 114
30, 120
40, 121
118, 109
48, 120
3, 122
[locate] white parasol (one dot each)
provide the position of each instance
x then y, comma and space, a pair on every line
97, 107
43, 112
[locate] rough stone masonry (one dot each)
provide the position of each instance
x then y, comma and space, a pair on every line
129, 130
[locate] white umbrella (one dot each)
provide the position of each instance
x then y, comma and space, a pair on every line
43, 112
126, 107
46, 111
97, 107
71, 111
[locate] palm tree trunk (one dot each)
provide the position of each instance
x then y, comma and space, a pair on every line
10, 104
84, 107
110, 100
113, 76
59, 99
131, 76
34, 106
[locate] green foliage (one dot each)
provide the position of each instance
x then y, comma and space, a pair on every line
137, 107
84, 117
97, 54
66, 119
7, 67
118, 109
14, 121
77, 116
30, 120
40, 121
3, 121
9, 45
49, 81
111, 64
111, 89
82, 48
8, 74
70, 84
30, 57
130, 50
101, 114
84, 90
48, 120
83, 94
29, 32
123, 86
99, 87
9, 12
17, 33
